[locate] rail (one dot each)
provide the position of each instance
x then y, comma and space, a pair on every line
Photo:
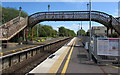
13, 59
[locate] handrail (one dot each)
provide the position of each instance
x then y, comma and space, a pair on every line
34, 17
8, 31
67, 11
12, 21
101, 17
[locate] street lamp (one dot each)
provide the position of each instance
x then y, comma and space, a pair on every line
87, 6
20, 8
48, 8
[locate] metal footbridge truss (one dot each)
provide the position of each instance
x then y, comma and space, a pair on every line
107, 20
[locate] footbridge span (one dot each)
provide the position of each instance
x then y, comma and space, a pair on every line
107, 20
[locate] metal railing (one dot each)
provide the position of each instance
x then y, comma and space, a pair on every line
8, 31
101, 17
97, 16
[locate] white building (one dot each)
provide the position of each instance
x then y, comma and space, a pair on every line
100, 30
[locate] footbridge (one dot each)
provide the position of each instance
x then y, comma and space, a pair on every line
8, 32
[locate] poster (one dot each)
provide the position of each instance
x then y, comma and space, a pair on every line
108, 46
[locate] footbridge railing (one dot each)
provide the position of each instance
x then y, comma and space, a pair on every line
7, 32
101, 17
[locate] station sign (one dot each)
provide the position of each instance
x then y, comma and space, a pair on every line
108, 46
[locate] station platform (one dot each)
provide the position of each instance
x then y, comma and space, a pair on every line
72, 58
26, 46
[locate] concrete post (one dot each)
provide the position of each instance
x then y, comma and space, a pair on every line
119, 54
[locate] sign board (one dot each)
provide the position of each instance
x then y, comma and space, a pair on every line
107, 46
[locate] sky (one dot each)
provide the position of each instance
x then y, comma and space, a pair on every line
59, 0
33, 7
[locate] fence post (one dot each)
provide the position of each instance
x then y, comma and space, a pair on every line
119, 51
119, 55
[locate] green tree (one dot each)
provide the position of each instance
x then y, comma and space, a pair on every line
81, 32
114, 35
44, 31
62, 31
10, 13
66, 32
54, 33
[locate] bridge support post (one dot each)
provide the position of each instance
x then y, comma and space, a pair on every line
107, 31
24, 35
111, 24
111, 31
31, 34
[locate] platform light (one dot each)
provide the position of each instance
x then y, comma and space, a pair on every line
48, 8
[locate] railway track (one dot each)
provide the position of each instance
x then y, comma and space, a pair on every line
31, 45
23, 67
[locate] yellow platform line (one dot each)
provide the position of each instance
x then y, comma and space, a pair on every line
59, 61
19, 49
67, 61
113, 66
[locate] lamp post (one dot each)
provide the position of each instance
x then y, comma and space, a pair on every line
79, 30
48, 8
19, 39
58, 31
20, 8
87, 6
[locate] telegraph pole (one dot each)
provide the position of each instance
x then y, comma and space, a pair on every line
90, 32
81, 29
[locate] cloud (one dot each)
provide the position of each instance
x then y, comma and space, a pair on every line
115, 14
